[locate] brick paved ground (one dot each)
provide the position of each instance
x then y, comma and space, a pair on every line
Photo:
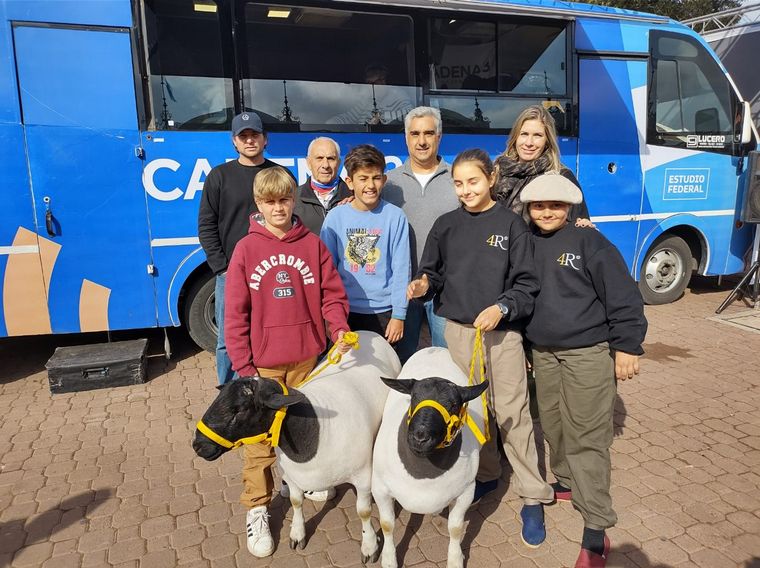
108, 477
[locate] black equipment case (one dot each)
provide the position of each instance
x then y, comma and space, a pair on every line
99, 366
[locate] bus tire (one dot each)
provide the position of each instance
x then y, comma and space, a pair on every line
666, 271
199, 314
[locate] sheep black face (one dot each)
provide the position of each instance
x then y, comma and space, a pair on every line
244, 407
427, 428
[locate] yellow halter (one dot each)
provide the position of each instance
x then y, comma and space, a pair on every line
272, 435
455, 422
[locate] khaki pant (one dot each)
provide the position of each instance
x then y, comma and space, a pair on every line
258, 458
576, 396
508, 393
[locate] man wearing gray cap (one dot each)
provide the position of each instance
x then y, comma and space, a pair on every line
226, 204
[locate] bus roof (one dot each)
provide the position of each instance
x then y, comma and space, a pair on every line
544, 8
528, 7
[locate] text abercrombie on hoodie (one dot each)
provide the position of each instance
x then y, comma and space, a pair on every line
278, 294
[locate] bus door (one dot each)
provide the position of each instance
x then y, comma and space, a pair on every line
609, 167
80, 124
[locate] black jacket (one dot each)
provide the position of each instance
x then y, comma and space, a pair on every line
309, 209
475, 260
587, 295
512, 198
226, 204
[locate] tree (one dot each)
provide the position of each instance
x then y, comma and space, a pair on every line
676, 9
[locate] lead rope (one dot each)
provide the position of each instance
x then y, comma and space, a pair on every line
477, 354
334, 357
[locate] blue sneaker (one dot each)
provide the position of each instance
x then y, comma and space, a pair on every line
533, 529
484, 488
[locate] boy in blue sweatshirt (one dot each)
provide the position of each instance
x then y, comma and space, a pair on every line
587, 328
369, 242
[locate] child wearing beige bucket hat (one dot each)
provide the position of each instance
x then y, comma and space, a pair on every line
586, 333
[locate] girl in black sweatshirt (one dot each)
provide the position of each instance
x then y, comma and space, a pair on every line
478, 261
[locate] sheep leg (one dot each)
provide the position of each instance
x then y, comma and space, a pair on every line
370, 541
456, 527
297, 525
384, 502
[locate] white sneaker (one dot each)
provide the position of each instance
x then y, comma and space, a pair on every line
260, 542
320, 496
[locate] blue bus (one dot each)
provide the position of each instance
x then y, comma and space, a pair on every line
112, 112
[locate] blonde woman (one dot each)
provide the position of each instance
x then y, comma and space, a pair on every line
532, 150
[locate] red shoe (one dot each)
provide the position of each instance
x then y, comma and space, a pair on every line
588, 559
561, 493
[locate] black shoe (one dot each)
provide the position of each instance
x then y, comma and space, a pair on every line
484, 488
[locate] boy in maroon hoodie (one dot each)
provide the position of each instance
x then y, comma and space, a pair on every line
281, 287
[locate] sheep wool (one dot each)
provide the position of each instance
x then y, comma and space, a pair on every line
422, 485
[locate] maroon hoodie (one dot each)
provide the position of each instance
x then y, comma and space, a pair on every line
278, 294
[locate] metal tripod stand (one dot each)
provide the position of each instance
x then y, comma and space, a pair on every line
748, 287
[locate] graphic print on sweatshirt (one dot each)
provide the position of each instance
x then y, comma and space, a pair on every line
569, 259
282, 276
283, 291
361, 249
498, 241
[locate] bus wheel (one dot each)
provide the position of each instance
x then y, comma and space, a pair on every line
199, 314
666, 271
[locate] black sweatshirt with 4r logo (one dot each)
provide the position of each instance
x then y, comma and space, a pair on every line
587, 295
475, 260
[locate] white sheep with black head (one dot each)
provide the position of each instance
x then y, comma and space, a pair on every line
411, 464
328, 431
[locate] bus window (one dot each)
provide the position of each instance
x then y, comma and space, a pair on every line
491, 61
188, 87
307, 69
464, 55
473, 112
533, 59
691, 103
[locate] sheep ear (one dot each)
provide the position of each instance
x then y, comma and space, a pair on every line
473, 392
401, 385
276, 401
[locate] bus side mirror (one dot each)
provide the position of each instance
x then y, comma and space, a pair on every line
746, 131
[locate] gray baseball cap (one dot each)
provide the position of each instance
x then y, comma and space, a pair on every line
245, 121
